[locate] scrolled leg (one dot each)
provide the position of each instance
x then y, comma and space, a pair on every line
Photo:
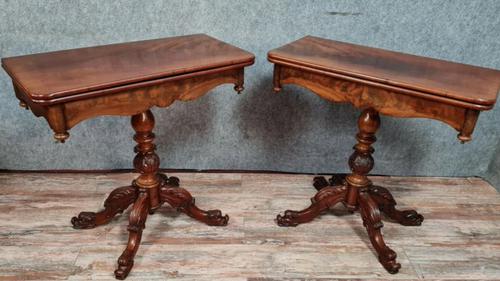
387, 205
322, 201
137, 222
373, 224
117, 202
181, 199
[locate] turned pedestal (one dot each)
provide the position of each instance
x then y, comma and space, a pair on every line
357, 193
146, 193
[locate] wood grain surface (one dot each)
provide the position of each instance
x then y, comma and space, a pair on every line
52, 75
459, 240
467, 83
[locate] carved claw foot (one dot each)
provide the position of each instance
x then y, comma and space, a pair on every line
408, 217
323, 200
172, 181
388, 261
85, 220
336, 180
210, 217
387, 205
125, 264
373, 224
290, 218
320, 183
181, 199
117, 202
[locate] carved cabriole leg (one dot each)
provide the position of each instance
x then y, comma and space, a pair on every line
182, 200
137, 222
322, 201
387, 205
147, 163
117, 202
373, 223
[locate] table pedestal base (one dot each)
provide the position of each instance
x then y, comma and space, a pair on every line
357, 193
371, 202
147, 193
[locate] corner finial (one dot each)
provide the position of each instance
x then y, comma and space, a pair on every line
238, 88
464, 138
61, 137
23, 105
277, 78
467, 129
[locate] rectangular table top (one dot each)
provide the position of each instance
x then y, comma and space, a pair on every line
47, 76
456, 81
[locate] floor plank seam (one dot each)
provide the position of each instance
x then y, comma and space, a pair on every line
252, 246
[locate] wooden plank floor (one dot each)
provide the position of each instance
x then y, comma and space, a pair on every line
459, 239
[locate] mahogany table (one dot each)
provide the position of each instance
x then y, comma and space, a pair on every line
379, 81
68, 87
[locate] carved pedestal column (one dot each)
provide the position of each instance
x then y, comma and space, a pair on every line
361, 161
147, 193
356, 192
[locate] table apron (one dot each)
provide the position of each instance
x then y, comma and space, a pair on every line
385, 101
131, 100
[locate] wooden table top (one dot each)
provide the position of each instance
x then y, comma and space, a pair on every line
52, 75
451, 80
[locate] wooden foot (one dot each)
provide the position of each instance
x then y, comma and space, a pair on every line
387, 205
322, 201
320, 183
170, 181
137, 222
373, 224
182, 200
335, 180
117, 202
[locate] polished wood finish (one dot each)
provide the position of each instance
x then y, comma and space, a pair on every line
452, 81
358, 193
458, 241
68, 87
384, 101
177, 78
378, 81
50, 77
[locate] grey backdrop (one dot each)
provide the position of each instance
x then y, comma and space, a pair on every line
294, 131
